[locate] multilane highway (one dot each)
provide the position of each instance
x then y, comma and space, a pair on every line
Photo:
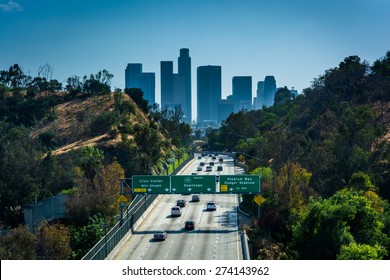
216, 235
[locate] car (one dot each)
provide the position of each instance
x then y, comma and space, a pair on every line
194, 173
220, 159
217, 178
176, 211
160, 234
219, 168
211, 206
199, 157
200, 168
201, 163
211, 163
214, 157
209, 168
189, 225
181, 203
195, 197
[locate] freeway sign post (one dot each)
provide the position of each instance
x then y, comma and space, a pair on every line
239, 183
151, 184
193, 184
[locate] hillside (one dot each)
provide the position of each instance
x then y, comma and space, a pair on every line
74, 120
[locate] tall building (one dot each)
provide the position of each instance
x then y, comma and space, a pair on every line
184, 70
135, 78
269, 91
179, 97
225, 108
176, 88
147, 83
259, 95
133, 70
166, 84
242, 92
209, 92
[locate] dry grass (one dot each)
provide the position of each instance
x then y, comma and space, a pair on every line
71, 126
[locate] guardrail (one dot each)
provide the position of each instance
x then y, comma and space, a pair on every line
245, 246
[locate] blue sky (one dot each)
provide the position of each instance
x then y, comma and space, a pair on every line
296, 41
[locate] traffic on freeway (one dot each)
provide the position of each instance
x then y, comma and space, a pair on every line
205, 227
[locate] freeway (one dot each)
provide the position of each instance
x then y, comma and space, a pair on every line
216, 234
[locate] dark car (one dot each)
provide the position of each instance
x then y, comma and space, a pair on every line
181, 203
220, 159
211, 163
199, 157
195, 198
201, 163
189, 225
219, 168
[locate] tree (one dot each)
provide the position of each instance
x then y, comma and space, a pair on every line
74, 85
329, 224
138, 97
100, 198
355, 251
18, 244
282, 97
83, 238
98, 83
149, 146
107, 185
14, 77
53, 242
18, 173
361, 181
90, 159
292, 186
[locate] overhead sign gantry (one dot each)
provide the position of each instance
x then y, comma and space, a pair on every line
185, 184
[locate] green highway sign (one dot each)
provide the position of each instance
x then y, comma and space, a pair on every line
193, 184
239, 183
151, 184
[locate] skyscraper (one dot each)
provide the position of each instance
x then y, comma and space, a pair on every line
179, 89
242, 92
209, 92
176, 88
184, 70
135, 78
269, 91
260, 95
166, 84
225, 108
133, 70
147, 81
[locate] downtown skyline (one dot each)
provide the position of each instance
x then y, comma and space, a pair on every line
295, 41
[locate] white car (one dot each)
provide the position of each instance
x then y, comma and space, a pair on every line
211, 206
160, 234
176, 211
